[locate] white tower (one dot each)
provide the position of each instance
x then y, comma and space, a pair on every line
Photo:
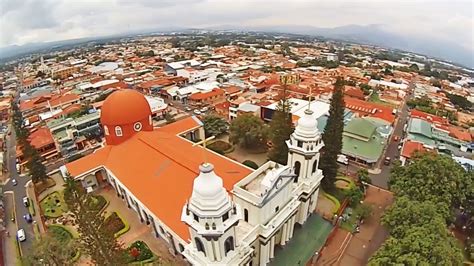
211, 216
304, 148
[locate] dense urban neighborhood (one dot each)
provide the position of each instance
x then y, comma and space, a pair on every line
235, 148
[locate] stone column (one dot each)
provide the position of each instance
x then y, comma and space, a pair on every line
272, 247
292, 224
217, 250
288, 229
264, 254
283, 235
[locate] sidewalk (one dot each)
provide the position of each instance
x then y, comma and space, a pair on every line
10, 250
30, 193
138, 230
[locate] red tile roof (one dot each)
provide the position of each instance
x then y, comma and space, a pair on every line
429, 117
365, 108
205, 95
159, 171
409, 147
460, 134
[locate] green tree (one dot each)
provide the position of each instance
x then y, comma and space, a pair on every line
414, 67
434, 178
363, 176
332, 136
250, 164
421, 245
214, 125
363, 211
95, 239
281, 128
51, 251
34, 163
248, 131
355, 195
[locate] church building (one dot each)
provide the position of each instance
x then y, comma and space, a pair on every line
207, 207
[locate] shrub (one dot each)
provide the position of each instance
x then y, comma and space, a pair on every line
114, 223
97, 203
139, 251
220, 147
250, 164
59, 232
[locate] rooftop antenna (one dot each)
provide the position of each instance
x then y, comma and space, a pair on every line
204, 144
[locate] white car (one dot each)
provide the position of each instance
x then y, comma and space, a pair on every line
342, 159
204, 109
26, 202
20, 234
197, 112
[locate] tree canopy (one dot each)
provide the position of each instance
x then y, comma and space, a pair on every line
51, 251
95, 240
214, 125
426, 191
435, 178
248, 131
332, 135
281, 128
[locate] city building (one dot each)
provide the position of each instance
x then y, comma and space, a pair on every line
210, 209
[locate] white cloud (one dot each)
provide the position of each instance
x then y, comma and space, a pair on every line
48, 20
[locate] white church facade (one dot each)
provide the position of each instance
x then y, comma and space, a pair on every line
220, 221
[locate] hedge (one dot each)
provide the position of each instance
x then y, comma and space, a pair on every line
250, 164
336, 202
125, 229
346, 179
221, 147
31, 207
144, 252
36, 231
116, 224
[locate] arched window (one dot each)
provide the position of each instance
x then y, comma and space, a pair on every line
199, 245
118, 131
315, 166
213, 226
206, 226
297, 170
229, 244
181, 248
246, 215
106, 130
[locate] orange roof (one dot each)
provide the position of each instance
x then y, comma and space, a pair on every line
156, 168
181, 126
429, 117
365, 108
38, 139
410, 147
460, 134
114, 113
205, 95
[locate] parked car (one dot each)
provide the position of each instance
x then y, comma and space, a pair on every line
14, 182
387, 161
341, 158
20, 235
204, 109
26, 201
197, 112
187, 108
396, 138
28, 218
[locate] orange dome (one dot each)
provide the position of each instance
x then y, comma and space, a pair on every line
124, 107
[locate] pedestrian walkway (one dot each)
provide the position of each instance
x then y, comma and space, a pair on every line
138, 230
305, 242
10, 250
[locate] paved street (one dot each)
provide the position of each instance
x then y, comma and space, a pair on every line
19, 191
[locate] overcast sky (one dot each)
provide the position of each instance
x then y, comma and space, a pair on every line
25, 21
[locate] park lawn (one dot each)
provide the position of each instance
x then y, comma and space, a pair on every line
53, 205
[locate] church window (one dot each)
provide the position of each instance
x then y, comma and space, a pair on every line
118, 131
196, 218
206, 226
213, 226
229, 244
277, 208
199, 245
106, 130
297, 170
137, 126
181, 247
246, 215
225, 217
315, 166
300, 144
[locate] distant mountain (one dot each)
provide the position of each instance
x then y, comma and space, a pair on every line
374, 34
369, 34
